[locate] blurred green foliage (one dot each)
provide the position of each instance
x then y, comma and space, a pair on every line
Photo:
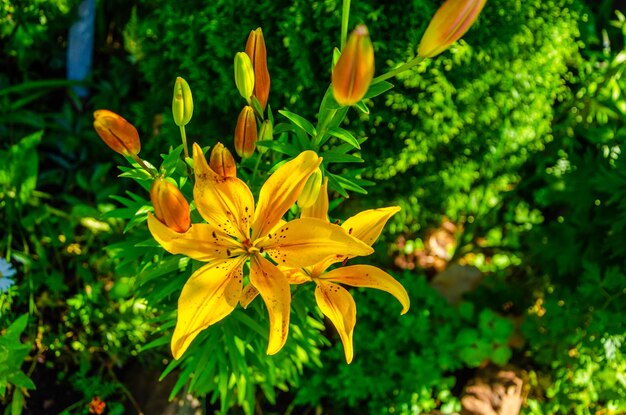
515, 135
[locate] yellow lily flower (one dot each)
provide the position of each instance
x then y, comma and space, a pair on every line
335, 301
236, 232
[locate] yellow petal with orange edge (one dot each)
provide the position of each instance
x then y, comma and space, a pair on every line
202, 241
210, 294
274, 289
305, 242
369, 277
338, 305
249, 293
367, 225
225, 203
319, 209
281, 190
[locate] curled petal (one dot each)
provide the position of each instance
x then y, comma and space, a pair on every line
281, 190
367, 225
202, 241
249, 293
210, 294
274, 289
369, 277
296, 276
225, 203
338, 305
305, 242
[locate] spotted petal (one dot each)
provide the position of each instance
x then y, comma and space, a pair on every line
225, 203
274, 289
338, 305
305, 242
369, 277
202, 242
281, 190
367, 225
210, 294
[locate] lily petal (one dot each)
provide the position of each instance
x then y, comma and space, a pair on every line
202, 242
210, 294
274, 290
338, 305
224, 202
305, 242
367, 225
249, 293
319, 209
281, 190
369, 277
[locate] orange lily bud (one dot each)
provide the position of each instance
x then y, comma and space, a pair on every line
245, 133
354, 70
170, 206
255, 48
117, 133
244, 75
448, 25
311, 190
182, 102
222, 161
266, 134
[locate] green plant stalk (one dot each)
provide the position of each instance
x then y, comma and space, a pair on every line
143, 165
405, 67
345, 17
183, 135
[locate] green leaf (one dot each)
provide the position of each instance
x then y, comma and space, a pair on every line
501, 355
17, 327
279, 146
17, 404
348, 184
337, 157
20, 379
377, 89
171, 161
345, 136
299, 121
362, 107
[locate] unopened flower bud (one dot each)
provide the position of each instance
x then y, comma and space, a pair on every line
182, 103
120, 135
266, 134
170, 206
246, 133
244, 75
255, 49
311, 190
448, 25
222, 161
354, 70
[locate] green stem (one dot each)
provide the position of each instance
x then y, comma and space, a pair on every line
345, 16
184, 137
256, 167
397, 70
143, 165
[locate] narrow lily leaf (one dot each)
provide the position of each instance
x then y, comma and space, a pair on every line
171, 161
345, 136
335, 157
348, 184
362, 107
378, 89
335, 185
280, 147
300, 122
283, 127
